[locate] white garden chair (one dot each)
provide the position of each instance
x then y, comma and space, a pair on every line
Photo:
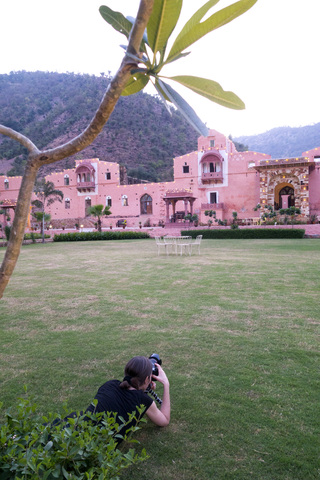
161, 243
183, 245
197, 242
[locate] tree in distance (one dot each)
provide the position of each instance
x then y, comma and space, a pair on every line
46, 195
144, 58
99, 211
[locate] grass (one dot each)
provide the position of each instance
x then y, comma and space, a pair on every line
237, 328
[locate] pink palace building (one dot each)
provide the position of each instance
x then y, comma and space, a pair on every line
215, 177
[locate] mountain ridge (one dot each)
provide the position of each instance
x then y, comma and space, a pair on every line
283, 142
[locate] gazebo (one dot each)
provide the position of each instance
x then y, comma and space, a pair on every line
171, 197
5, 206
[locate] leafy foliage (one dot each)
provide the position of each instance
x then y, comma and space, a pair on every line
99, 211
84, 447
47, 194
164, 17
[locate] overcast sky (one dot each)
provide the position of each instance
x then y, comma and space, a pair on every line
269, 56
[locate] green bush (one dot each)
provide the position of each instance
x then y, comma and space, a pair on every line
7, 231
88, 236
79, 449
34, 236
247, 233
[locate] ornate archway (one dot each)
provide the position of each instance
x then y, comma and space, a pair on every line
285, 190
275, 175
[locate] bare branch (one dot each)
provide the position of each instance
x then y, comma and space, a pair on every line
111, 96
37, 158
25, 141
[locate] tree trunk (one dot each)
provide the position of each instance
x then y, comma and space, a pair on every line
43, 227
19, 223
38, 158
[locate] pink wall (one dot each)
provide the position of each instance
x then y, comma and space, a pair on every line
233, 186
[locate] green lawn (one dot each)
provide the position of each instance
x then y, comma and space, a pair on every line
237, 328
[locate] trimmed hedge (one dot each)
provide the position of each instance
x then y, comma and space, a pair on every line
244, 233
34, 236
88, 236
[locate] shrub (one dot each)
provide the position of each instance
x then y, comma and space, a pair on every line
79, 449
247, 233
7, 231
88, 236
34, 236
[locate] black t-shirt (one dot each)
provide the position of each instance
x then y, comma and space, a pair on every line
112, 398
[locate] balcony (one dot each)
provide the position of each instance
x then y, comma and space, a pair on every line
85, 186
212, 177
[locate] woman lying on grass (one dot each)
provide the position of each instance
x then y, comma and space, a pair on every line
124, 397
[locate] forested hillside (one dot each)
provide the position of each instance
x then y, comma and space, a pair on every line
51, 108
284, 142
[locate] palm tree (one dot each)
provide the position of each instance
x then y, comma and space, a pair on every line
99, 211
47, 195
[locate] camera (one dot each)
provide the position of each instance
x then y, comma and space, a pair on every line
154, 358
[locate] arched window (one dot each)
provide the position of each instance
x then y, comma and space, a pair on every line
67, 203
66, 179
124, 201
146, 204
108, 201
6, 184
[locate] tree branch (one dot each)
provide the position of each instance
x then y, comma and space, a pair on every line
37, 158
111, 96
25, 141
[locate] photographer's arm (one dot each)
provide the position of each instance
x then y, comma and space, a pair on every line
161, 416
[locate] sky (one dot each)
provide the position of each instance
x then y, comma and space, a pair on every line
269, 56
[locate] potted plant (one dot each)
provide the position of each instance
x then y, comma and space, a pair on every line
140, 224
195, 219
110, 226
124, 224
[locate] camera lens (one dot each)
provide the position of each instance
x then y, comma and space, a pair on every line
154, 358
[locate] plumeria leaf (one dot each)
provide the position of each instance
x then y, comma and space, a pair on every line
184, 108
137, 59
180, 55
194, 20
162, 94
120, 23
136, 83
194, 30
162, 21
211, 90
116, 20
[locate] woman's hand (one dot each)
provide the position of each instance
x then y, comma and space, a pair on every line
161, 377
161, 416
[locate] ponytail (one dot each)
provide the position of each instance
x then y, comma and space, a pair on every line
136, 371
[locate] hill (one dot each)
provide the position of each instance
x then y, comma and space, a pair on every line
284, 142
51, 108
